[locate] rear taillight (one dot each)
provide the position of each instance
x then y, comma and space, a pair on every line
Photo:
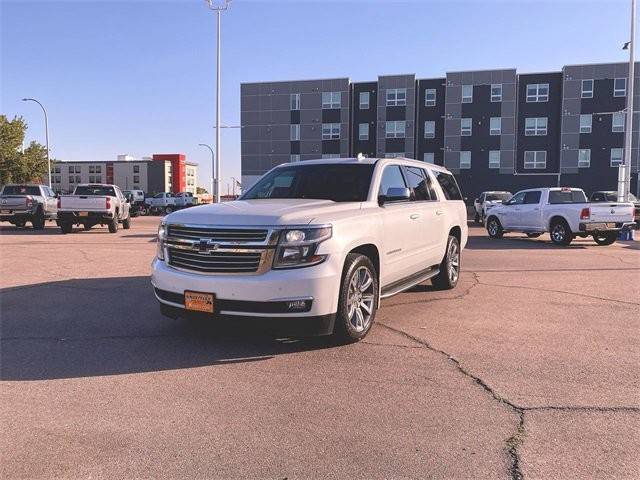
108, 203
585, 214
59, 203
29, 202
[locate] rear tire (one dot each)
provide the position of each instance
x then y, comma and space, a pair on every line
113, 224
606, 238
168, 210
38, 220
494, 228
87, 226
358, 299
561, 233
20, 223
126, 223
449, 267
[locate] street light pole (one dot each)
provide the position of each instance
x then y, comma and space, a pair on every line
218, 9
213, 165
46, 132
626, 187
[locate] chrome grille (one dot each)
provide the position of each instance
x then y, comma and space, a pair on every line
217, 234
217, 261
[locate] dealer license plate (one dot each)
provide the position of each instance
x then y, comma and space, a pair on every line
199, 302
83, 214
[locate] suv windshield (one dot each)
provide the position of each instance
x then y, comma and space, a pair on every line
567, 196
20, 190
95, 190
492, 197
336, 182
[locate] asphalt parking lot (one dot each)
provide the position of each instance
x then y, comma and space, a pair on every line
530, 368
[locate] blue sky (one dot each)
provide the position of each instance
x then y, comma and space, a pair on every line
138, 77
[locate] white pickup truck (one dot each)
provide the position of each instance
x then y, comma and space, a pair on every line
563, 212
316, 244
93, 204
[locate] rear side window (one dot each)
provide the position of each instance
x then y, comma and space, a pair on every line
20, 190
532, 197
419, 182
391, 178
566, 196
449, 185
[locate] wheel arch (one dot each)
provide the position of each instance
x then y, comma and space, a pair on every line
371, 251
557, 218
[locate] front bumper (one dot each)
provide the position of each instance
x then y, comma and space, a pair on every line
264, 295
7, 215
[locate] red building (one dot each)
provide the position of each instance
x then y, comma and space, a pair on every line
178, 170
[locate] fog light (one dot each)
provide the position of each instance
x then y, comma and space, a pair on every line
297, 305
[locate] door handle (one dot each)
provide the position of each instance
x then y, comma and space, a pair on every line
439, 212
414, 216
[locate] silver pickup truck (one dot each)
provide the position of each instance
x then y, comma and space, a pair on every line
22, 203
93, 204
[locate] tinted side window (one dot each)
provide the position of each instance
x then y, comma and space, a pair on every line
391, 178
532, 197
418, 182
517, 199
567, 196
449, 185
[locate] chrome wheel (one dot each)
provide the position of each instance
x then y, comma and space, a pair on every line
558, 233
493, 227
453, 262
361, 299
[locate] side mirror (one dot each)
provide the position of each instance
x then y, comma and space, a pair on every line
394, 194
505, 202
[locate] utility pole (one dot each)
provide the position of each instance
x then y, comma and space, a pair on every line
625, 188
46, 132
213, 166
218, 9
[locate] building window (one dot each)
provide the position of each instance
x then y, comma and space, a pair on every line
394, 155
136, 169
430, 97
364, 100
538, 92
98, 179
619, 87
616, 156
429, 129
496, 92
295, 132
535, 159
585, 123
428, 157
92, 179
330, 131
587, 89
136, 179
467, 93
330, 155
617, 122
295, 101
92, 169
78, 180
363, 131
396, 97
98, 169
78, 169
331, 99
70, 169
395, 129
535, 126
293, 158
495, 126
584, 158
465, 159
71, 179
465, 127
494, 159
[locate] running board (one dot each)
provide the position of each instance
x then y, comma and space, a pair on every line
408, 282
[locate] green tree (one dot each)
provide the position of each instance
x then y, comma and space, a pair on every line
201, 191
16, 165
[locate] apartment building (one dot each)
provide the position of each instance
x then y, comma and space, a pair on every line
495, 129
159, 173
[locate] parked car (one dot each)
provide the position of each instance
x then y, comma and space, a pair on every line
487, 200
93, 204
612, 196
167, 202
318, 243
563, 212
22, 203
137, 205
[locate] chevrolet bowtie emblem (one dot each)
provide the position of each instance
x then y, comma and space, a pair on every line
205, 246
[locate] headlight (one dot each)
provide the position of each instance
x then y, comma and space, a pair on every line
297, 247
162, 234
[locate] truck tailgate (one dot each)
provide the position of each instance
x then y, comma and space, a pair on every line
85, 203
9, 202
611, 212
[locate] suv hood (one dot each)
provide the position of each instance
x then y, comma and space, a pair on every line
263, 212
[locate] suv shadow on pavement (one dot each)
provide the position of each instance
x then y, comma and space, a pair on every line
112, 326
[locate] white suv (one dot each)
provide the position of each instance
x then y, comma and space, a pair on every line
317, 242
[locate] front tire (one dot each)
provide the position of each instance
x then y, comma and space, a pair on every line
126, 223
494, 228
449, 267
358, 300
38, 220
561, 233
113, 224
606, 238
168, 210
